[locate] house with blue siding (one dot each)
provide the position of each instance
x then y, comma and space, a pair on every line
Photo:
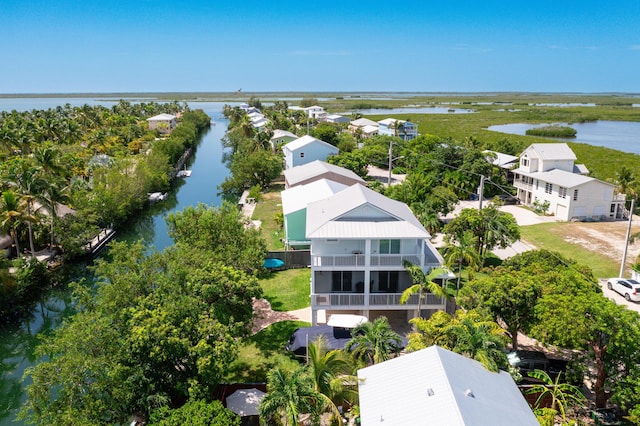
306, 149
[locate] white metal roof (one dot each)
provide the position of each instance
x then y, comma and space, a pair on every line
317, 168
501, 159
282, 133
551, 151
361, 122
297, 198
561, 177
161, 117
437, 387
305, 140
372, 216
370, 129
391, 121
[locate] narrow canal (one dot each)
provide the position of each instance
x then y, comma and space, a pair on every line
18, 341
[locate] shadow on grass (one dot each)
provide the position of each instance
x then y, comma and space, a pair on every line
262, 352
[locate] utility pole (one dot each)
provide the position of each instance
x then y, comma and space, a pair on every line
390, 161
481, 191
626, 241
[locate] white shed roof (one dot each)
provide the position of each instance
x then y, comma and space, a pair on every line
437, 387
297, 198
162, 117
317, 168
306, 140
374, 216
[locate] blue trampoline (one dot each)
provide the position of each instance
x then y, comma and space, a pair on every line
273, 263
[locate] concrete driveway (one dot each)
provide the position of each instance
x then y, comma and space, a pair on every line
620, 300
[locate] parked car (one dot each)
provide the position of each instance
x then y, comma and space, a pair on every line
508, 199
628, 288
527, 361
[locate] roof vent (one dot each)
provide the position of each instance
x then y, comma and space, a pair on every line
430, 392
469, 393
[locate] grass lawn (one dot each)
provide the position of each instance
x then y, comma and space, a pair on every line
266, 211
262, 352
551, 236
287, 290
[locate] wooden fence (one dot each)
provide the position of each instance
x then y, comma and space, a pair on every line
292, 258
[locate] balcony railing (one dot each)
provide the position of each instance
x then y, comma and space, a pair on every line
394, 259
338, 260
376, 300
383, 260
522, 185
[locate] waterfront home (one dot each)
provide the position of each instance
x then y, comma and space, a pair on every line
316, 170
163, 122
547, 174
305, 150
294, 208
437, 387
315, 112
401, 128
359, 241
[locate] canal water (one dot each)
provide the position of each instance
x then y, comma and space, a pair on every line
18, 341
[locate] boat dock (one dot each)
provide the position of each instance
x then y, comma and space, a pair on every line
99, 241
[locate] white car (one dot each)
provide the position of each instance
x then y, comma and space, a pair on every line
629, 288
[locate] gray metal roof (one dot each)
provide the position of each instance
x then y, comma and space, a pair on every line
361, 122
297, 198
317, 168
359, 212
551, 151
161, 117
437, 387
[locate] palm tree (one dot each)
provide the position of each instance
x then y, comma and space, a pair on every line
563, 395
465, 252
624, 178
329, 371
374, 342
422, 284
288, 396
478, 339
11, 213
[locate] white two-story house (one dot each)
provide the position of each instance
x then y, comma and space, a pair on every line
359, 241
547, 173
401, 128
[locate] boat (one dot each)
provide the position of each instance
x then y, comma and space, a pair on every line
157, 196
184, 173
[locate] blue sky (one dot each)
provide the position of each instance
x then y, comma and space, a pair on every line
66, 46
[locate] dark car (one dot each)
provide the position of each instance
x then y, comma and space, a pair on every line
508, 199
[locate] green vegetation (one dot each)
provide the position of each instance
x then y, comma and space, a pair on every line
553, 236
553, 132
269, 212
287, 290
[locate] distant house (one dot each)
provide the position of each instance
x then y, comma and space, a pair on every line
336, 118
437, 387
315, 111
316, 170
401, 128
294, 208
305, 150
547, 173
359, 241
360, 123
164, 123
281, 136
505, 161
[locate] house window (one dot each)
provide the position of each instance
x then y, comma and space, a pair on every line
525, 162
537, 184
575, 195
341, 281
302, 155
389, 246
562, 192
388, 281
548, 187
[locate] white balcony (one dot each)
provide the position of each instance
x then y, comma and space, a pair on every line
376, 301
382, 260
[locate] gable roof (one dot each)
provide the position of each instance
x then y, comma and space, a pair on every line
162, 117
390, 121
501, 159
551, 151
359, 212
361, 122
282, 133
435, 386
298, 197
304, 141
317, 168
